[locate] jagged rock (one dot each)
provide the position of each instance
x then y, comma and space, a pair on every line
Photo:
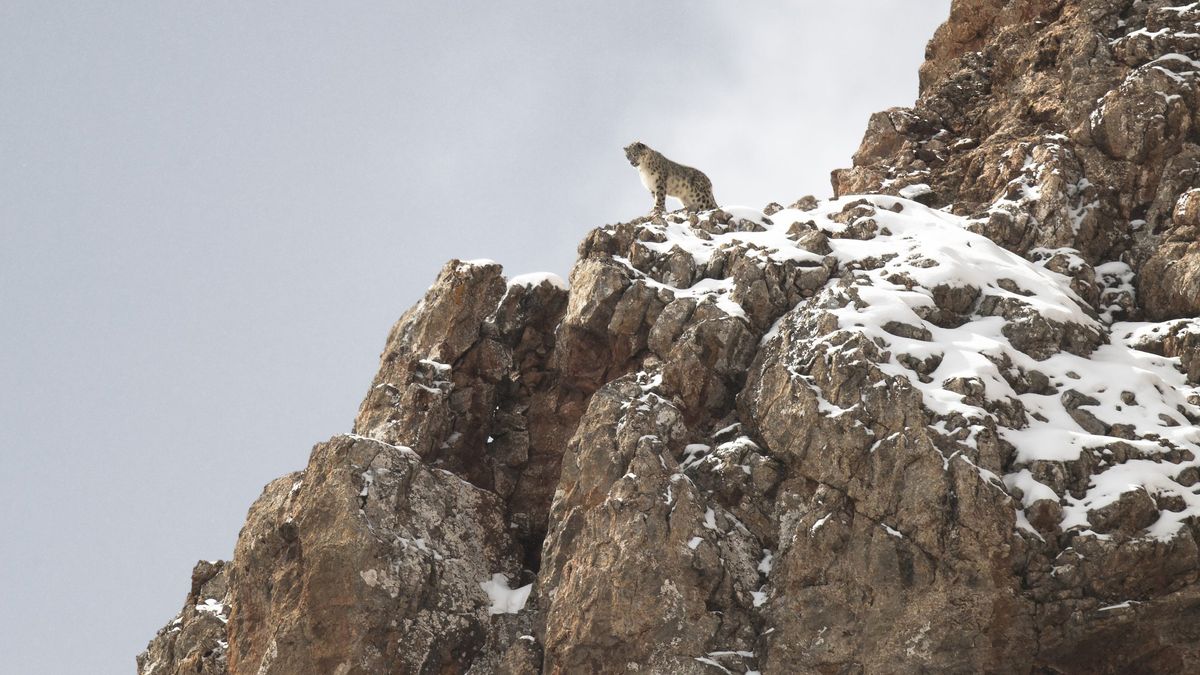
588, 354
707, 365
436, 378
365, 562
1056, 125
865, 514
805, 203
1176, 339
1146, 117
524, 657
195, 640
1169, 284
1133, 512
1152, 637
1073, 401
625, 507
465, 380
1187, 209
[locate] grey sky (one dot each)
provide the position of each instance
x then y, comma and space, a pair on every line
211, 213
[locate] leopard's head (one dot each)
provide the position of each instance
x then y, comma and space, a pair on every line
634, 152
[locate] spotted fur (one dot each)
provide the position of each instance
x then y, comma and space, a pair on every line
664, 178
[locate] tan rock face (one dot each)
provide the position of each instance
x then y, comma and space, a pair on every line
465, 381
911, 431
1057, 124
1170, 281
368, 561
196, 640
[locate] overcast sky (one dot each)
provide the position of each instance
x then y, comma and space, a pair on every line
212, 212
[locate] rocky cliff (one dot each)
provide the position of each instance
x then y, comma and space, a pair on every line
944, 422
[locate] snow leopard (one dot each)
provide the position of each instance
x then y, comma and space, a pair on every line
664, 178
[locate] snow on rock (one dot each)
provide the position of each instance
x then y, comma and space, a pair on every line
505, 600
915, 190
538, 278
991, 340
198, 635
214, 607
728, 258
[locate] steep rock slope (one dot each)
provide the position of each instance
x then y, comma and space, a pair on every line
1054, 123
925, 429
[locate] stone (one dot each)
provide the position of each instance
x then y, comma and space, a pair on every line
367, 561
1130, 514
195, 641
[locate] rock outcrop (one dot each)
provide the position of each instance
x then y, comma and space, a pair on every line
196, 640
925, 426
1052, 123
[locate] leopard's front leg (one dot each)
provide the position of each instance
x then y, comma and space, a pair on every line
660, 198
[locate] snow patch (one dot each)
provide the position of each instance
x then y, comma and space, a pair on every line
505, 600
537, 279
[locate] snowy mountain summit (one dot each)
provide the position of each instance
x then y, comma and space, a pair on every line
947, 421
